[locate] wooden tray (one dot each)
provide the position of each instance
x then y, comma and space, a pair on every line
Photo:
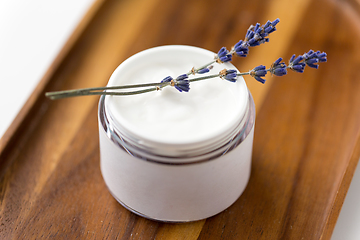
307, 130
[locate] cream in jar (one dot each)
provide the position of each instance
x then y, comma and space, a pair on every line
174, 156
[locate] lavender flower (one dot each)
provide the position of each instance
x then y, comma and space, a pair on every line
223, 55
203, 70
278, 68
269, 27
321, 56
167, 79
181, 83
296, 64
256, 35
241, 48
258, 72
249, 34
230, 75
311, 57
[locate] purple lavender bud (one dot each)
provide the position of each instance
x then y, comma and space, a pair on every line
223, 55
292, 58
182, 83
298, 68
276, 21
272, 27
167, 79
203, 70
260, 69
256, 35
267, 24
278, 68
259, 37
256, 28
272, 30
253, 42
310, 54
321, 56
259, 79
310, 58
296, 64
297, 60
268, 29
222, 51
258, 72
280, 72
231, 75
311, 62
249, 35
277, 61
182, 77
241, 49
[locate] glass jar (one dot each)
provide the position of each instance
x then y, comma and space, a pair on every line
190, 176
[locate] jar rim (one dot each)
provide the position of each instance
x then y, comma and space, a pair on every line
139, 151
172, 51
176, 145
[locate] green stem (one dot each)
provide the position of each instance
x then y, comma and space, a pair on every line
102, 90
204, 66
99, 90
55, 95
203, 78
107, 88
243, 74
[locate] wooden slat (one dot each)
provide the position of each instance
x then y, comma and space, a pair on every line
307, 132
305, 136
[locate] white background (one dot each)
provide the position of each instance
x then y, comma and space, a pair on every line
31, 35
32, 32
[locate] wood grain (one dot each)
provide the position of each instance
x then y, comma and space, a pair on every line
307, 135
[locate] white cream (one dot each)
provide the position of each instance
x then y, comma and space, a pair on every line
208, 111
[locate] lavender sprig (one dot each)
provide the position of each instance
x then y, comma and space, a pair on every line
255, 36
182, 82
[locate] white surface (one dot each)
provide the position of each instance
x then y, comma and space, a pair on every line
31, 35
348, 224
33, 32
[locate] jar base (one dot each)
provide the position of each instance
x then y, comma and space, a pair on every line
147, 217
